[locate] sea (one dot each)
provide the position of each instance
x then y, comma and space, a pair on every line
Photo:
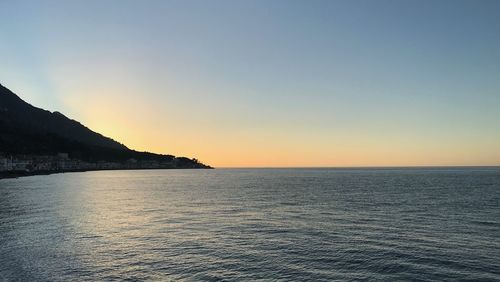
370, 224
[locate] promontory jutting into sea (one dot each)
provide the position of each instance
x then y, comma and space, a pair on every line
35, 141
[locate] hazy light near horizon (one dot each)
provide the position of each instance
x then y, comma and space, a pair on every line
268, 83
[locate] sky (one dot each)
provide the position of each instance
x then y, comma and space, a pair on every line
267, 83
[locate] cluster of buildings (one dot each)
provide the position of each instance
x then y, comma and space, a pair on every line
62, 162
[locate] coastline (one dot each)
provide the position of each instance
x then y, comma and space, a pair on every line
18, 174
14, 166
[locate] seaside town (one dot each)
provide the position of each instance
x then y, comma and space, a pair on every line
61, 162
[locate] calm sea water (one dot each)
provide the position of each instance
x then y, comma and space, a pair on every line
252, 224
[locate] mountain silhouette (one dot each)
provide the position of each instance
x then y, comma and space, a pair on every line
25, 129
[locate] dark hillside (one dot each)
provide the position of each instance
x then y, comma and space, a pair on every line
16, 112
28, 130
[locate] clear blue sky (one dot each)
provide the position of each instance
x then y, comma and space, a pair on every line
268, 83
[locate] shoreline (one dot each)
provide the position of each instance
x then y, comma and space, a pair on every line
18, 174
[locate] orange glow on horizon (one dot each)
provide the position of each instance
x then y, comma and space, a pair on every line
144, 126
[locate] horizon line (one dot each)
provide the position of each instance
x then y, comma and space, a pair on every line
361, 167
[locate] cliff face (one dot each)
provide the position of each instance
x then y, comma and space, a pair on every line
29, 131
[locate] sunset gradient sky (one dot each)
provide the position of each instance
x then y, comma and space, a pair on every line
267, 83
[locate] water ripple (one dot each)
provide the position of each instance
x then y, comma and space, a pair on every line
251, 224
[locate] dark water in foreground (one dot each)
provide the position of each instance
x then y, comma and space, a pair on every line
237, 224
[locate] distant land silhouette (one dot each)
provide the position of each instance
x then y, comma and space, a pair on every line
27, 133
